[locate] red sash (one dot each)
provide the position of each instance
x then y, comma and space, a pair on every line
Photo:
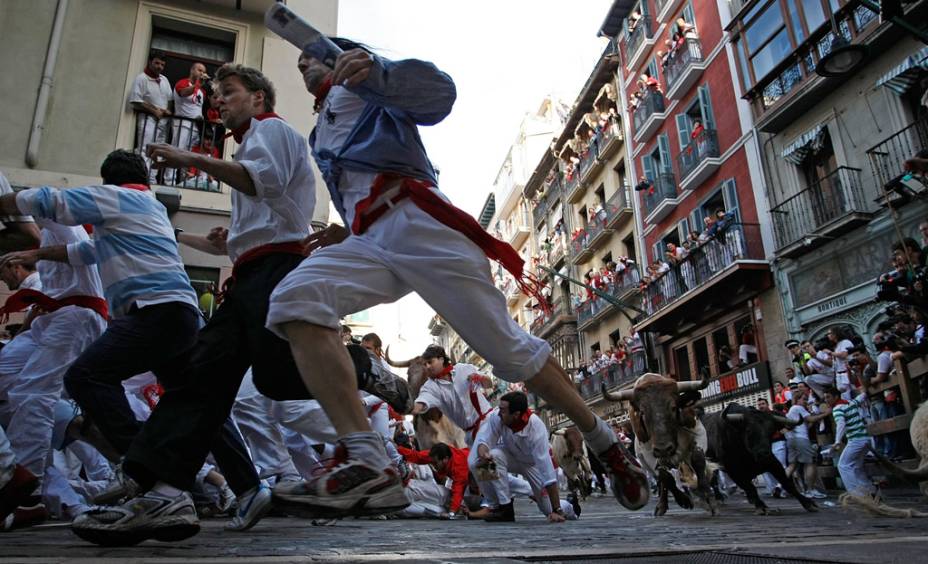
373, 409
475, 401
251, 255
25, 298
428, 201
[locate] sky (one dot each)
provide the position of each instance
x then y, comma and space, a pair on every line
505, 56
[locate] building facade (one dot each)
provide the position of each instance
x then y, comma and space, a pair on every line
707, 294
85, 55
831, 147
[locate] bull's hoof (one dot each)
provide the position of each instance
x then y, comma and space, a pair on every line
659, 510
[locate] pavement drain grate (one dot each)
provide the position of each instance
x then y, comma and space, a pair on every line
705, 557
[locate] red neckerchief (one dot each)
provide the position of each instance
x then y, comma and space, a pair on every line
139, 187
446, 371
521, 422
154, 75
239, 131
322, 93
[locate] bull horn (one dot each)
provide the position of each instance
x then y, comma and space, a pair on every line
623, 395
786, 421
693, 386
734, 417
386, 356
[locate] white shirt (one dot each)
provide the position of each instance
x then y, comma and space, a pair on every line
799, 431
528, 448
147, 89
453, 399
816, 365
59, 279
277, 160
31, 282
841, 363
188, 106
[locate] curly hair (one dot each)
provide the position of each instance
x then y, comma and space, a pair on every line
124, 167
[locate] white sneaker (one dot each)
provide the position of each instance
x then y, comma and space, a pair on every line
149, 516
120, 487
252, 506
345, 487
815, 494
226, 498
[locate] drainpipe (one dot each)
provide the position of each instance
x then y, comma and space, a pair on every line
41, 106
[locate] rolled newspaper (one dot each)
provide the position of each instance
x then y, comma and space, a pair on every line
300, 33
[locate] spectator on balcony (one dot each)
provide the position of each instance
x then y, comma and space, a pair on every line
665, 55
214, 128
697, 136
149, 97
683, 31
188, 103
633, 20
634, 101
727, 360
201, 178
747, 350
645, 184
650, 84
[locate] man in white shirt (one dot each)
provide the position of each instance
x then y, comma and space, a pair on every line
514, 440
798, 446
149, 97
454, 391
188, 114
840, 355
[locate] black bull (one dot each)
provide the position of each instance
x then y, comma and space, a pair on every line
739, 441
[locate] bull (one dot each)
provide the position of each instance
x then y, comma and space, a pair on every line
428, 431
668, 435
739, 441
571, 456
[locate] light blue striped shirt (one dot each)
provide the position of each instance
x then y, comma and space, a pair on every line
133, 242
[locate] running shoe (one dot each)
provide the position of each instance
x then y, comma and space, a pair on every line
17, 490
149, 516
344, 487
629, 482
120, 487
374, 379
252, 506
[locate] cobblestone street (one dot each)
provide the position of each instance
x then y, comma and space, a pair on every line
605, 532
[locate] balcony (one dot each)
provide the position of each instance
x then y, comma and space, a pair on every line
572, 187
544, 324
517, 230
613, 376
590, 239
649, 115
558, 250
617, 208
887, 156
660, 199
723, 271
187, 134
832, 206
684, 69
699, 160
639, 42
594, 310
666, 8
540, 211
589, 162
510, 289
610, 140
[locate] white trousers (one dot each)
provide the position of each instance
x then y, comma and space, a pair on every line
254, 414
851, 467
499, 492
60, 337
149, 129
185, 135
779, 451
404, 251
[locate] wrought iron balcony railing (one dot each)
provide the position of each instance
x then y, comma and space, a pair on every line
690, 52
888, 156
637, 36
185, 133
664, 187
835, 196
652, 103
703, 146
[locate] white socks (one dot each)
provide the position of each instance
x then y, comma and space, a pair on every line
367, 447
167, 490
600, 438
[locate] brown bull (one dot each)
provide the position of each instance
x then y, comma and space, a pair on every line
571, 455
428, 432
668, 435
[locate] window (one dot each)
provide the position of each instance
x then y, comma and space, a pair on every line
701, 352
722, 348
621, 175
815, 14
767, 24
629, 243
682, 361
700, 109
689, 15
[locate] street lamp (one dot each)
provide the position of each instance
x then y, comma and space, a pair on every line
842, 60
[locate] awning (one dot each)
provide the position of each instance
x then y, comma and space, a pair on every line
810, 141
906, 74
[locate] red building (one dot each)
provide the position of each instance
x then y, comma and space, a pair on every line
692, 152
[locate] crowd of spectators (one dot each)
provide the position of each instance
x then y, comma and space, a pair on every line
625, 359
687, 265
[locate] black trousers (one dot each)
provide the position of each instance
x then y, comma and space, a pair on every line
157, 338
175, 441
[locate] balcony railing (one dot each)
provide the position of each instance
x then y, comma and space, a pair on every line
835, 196
740, 241
704, 146
617, 203
690, 52
185, 133
596, 306
664, 188
544, 321
888, 156
614, 375
611, 132
641, 32
540, 211
652, 103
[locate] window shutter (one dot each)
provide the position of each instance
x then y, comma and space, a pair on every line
730, 197
683, 229
664, 144
683, 130
648, 164
705, 103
